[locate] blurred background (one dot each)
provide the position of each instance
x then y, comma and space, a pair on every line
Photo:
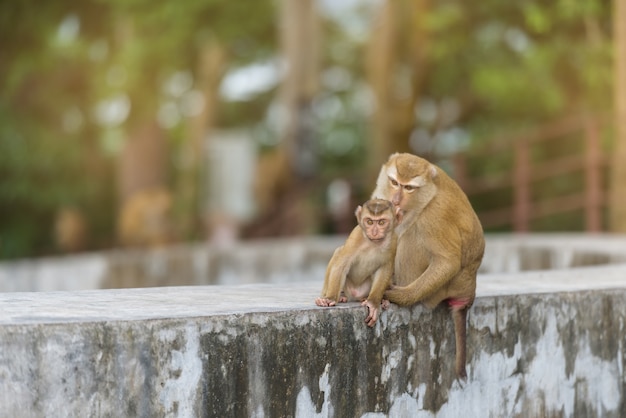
138, 123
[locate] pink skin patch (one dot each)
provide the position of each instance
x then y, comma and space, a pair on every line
457, 303
359, 292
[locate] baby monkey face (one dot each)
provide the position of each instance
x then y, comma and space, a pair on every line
376, 227
376, 218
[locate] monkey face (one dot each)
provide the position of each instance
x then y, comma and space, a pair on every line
376, 228
407, 178
400, 188
376, 217
408, 181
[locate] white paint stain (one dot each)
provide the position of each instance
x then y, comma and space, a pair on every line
393, 359
495, 383
491, 390
547, 371
598, 379
432, 346
405, 406
186, 364
259, 413
411, 358
305, 408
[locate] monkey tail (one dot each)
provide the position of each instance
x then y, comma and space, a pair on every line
459, 315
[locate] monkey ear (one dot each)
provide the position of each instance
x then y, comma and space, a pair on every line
433, 171
357, 212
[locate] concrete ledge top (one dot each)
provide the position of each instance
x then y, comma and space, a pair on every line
200, 301
154, 303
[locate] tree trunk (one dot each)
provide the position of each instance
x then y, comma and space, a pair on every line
300, 40
142, 161
286, 183
142, 164
618, 168
396, 68
211, 63
380, 63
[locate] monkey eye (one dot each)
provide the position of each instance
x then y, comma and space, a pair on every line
393, 182
369, 222
382, 222
409, 188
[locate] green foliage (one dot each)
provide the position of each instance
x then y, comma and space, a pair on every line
62, 60
507, 65
531, 60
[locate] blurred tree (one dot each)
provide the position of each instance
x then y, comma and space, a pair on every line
87, 91
89, 87
470, 71
294, 162
50, 157
202, 37
300, 43
209, 71
397, 62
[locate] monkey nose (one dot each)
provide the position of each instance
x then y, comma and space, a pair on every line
396, 198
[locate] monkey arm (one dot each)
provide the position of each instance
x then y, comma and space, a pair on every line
427, 259
435, 278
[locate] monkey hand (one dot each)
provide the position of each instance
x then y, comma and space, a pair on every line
395, 294
325, 302
372, 313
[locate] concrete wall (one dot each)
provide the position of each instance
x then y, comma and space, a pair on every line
262, 261
267, 351
540, 344
277, 261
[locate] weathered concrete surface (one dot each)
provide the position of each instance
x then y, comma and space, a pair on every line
262, 261
278, 261
522, 252
540, 344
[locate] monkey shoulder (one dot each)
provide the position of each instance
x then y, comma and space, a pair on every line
338, 251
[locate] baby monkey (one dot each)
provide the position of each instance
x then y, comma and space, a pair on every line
362, 268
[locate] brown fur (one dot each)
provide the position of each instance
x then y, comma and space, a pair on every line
440, 240
363, 266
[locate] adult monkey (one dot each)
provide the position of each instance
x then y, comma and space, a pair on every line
440, 241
